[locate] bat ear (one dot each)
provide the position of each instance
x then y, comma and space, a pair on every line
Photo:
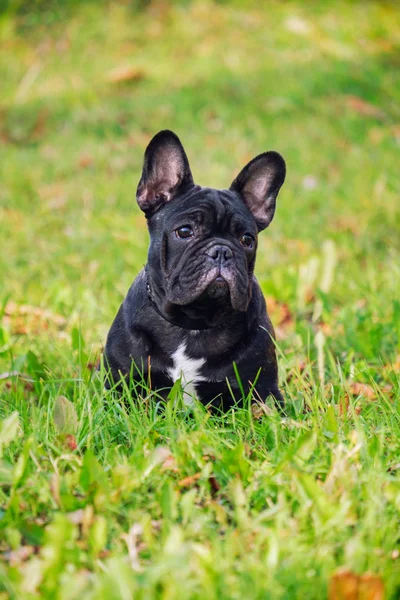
166, 172
259, 183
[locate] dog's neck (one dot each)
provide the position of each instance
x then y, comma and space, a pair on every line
177, 315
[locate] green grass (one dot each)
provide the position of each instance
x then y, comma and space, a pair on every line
103, 500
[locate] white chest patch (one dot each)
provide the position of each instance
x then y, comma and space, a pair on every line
188, 370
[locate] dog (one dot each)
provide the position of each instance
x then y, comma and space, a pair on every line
196, 312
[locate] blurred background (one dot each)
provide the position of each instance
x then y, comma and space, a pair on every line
84, 87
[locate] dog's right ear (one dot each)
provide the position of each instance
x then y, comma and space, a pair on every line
166, 172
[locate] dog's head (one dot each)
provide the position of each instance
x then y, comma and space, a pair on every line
203, 241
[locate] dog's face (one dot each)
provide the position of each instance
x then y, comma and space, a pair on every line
203, 241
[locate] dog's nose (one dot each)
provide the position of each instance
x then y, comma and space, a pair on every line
219, 253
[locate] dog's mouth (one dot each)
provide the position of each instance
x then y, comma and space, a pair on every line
215, 288
213, 305
218, 289
218, 296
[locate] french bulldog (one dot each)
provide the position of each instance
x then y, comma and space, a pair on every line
196, 311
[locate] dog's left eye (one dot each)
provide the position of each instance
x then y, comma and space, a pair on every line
184, 232
247, 240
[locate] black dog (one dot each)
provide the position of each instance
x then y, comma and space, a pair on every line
196, 308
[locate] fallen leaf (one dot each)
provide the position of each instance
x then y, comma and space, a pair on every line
260, 409
363, 108
395, 366
376, 135
189, 481
125, 74
64, 416
26, 309
85, 161
346, 585
362, 389
395, 130
25, 319
387, 389
370, 587
326, 328
169, 464
343, 586
281, 316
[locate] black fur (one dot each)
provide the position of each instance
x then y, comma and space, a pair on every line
199, 290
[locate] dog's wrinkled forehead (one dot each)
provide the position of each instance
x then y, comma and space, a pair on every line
220, 210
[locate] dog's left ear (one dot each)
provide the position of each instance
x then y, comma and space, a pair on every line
259, 183
166, 172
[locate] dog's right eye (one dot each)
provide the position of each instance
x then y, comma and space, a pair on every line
184, 232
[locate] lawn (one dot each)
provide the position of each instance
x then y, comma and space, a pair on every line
105, 499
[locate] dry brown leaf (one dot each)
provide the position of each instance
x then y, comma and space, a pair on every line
349, 223
370, 587
189, 481
260, 409
346, 585
125, 74
85, 161
387, 389
326, 328
376, 135
396, 365
53, 194
25, 319
363, 108
169, 464
343, 586
281, 316
362, 389
395, 130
